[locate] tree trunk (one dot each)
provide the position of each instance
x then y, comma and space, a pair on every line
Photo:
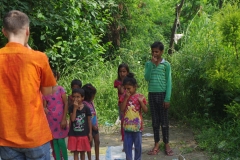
174, 28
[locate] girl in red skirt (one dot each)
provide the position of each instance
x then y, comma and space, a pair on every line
80, 133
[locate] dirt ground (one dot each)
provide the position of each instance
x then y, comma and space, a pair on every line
181, 141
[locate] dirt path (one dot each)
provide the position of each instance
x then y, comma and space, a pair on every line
181, 141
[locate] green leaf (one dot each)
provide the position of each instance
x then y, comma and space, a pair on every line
42, 37
222, 144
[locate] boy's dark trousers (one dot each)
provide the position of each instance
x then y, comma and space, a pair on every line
159, 116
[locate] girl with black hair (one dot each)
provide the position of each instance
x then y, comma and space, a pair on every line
56, 108
123, 71
132, 105
90, 92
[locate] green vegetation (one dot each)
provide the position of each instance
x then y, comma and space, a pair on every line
88, 39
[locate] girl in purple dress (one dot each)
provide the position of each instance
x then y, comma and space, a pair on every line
56, 108
90, 92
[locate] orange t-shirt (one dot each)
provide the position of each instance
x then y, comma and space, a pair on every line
23, 123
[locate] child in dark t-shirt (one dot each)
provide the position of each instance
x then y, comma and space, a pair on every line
80, 133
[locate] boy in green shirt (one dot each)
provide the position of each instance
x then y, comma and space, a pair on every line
158, 75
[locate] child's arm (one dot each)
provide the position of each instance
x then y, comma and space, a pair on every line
90, 130
45, 106
148, 70
64, 119
118, 85
74, 113
168, 85
142, 102
120, 89
124, 103
95, 128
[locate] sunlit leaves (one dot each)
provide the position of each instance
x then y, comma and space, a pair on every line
229, 21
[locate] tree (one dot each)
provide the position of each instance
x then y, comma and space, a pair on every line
175, 26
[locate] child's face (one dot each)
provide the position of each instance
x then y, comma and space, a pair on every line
157, 53
130, 89
75, 86
123, 72
77, 97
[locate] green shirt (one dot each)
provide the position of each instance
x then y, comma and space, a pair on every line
159, 78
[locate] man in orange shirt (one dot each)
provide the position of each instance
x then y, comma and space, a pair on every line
24, 74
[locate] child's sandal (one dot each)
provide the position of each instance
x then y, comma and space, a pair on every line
153, 152
169, 152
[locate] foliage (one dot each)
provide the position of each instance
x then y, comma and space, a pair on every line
206, 86
147, 21
210, 78
223, 140
83, 24
66, 30
229, 26
233, 109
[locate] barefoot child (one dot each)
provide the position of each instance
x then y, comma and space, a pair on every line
80, 133
56, 107
90, 92
132, 104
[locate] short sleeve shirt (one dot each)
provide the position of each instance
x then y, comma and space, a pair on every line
133, 121
23, 72
93, 112
79, 127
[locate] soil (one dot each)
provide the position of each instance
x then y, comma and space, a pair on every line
181, 137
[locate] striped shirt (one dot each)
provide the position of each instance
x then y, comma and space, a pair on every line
159, 78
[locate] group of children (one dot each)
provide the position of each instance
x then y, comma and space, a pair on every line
131, 104
83, 119
83, 126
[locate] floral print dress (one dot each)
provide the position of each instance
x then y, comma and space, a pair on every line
55, 108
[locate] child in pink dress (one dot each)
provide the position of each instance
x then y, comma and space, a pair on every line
56, 108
